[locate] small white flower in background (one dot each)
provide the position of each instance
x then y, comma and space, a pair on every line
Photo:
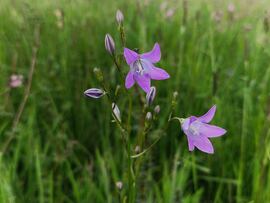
119, 185
116, 111
15, 81
148, 116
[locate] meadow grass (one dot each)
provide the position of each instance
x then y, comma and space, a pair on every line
65, 147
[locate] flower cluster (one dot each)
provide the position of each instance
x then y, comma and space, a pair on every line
143, 69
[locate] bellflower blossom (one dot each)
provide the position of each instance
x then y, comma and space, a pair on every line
198, 131
142, 68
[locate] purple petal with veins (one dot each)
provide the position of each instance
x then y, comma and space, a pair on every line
154, 55
129, 80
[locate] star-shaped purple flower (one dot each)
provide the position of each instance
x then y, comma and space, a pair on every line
142, 68
198, 131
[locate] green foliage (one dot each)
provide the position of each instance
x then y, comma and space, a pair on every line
66, 149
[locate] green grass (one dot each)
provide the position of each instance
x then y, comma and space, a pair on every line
66, 149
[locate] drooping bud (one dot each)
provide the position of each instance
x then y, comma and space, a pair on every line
157, 109
116, 112
15, 81
119, 17
109, 44
98, 74
94, 93
119, 185
148, 116
137, 149
150, 96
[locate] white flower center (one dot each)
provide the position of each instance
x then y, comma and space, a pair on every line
194, 128
140, 66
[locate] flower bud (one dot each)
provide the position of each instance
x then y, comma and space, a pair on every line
94, 93
148, 116
119, 17
98, 74
119, 185
109, 44
150, 96
116, 112
137, 149
175, 95
157, 109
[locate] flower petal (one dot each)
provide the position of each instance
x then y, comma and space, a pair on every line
129, 80
190, 142
185, 125
203, 144
130, 56
154, 55
206, 118
143, 81
211, 130
158, 74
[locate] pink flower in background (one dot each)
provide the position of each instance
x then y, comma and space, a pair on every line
170, 13
142, 68
231, 8
119, 17
15, 81
198, 131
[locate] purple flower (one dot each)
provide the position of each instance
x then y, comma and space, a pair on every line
198, 131
142, 68
94, 93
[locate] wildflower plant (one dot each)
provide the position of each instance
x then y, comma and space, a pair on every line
139, 70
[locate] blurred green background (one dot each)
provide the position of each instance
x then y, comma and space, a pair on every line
64, 147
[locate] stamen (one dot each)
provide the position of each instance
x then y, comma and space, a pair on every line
138, 67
